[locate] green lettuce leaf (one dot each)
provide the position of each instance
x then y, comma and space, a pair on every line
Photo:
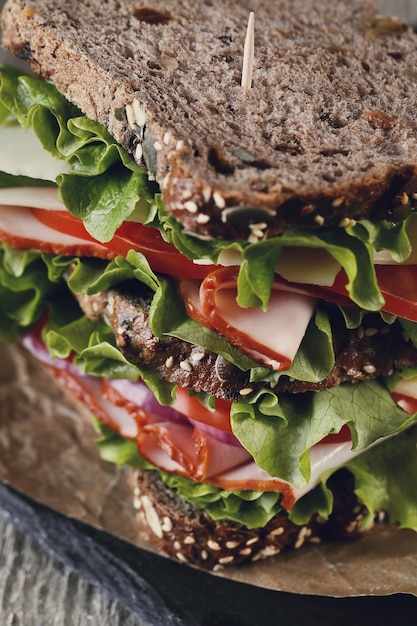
105, 186
25, 290
280, 431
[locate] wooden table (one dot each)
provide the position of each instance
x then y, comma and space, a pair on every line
38, 590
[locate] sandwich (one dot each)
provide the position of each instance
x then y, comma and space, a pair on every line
222, 268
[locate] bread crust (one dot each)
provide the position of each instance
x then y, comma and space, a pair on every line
327, 133
188, 534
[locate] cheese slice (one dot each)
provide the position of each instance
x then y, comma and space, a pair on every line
22, 154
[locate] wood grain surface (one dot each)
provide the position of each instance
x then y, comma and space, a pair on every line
36, 589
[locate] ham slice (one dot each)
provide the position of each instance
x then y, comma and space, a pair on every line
20, 228
270, 337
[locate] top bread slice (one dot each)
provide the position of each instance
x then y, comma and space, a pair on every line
326, 134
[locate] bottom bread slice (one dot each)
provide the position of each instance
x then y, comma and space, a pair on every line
185, 532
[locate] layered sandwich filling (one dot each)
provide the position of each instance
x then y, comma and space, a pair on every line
231, 366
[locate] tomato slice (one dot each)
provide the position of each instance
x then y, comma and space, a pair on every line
408, 403
398, 284
341, 437
194, 410
162, 256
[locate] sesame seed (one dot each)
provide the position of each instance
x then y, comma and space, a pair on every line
191, 206
232, 544
139, 112
181, 557
203, 218
180, 145
259, 226
167, 137
319, 219
347, 221
165, 181
344, 222
110, 304
198, 356
369, 369
166, 524
177, 545
225, 560
213, 545
315, 540
169, 362
338, 201
204, 555
277, 531
246, 551
186, 194
301, 537
157, 145
258, 233
245, 391
138, 152
189, 540
130, 115
252, 541
137, 504
219, 200
218, 567
186, 366
152, 517
206, 194
404, 199
269, 551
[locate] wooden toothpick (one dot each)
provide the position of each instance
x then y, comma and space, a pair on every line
248, 53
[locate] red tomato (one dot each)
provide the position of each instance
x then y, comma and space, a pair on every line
407, 403
398, 285
340, 437
194, 410
162, 256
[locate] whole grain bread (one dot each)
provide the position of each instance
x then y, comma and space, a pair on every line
188, 534
326, 134
374, 349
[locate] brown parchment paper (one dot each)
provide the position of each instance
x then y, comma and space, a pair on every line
47, 451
